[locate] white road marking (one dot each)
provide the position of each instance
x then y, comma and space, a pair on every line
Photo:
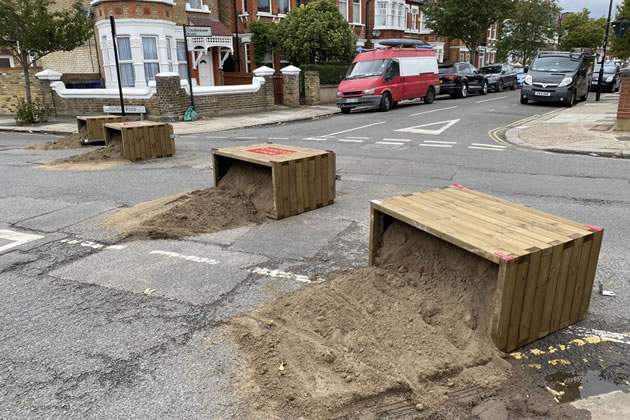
492, 110
490, 100
435, 145
245, 138
395, 143
604, 335
216, 137
192, 258
351, 141
489, 145
396, 140
281, 274
355, 129
486, 148
359, 138
16, 238
433, 110
313, 139
445, 125
90, 244
118, 247
278, 138
440, 142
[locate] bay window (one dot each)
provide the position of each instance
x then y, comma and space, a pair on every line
150, 55
343, 8
390, 14
182, 65
356, 11
169, 53
125, 59
283, 7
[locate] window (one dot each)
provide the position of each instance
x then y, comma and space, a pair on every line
414, 19
356, 11
390, 14
247, 59
244, 6
169, 53
182, 65
151, 65
6, 61
423, 22
264, 6
127, 73
343, 8
195, 4
395, 68
283, 7
381, 13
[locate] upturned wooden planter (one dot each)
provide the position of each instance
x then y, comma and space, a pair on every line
303, 179
547, 264
143, 139
94, 125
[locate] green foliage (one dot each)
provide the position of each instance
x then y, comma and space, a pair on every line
620, 48
316, 33
27, 114
580, 31
264, 35
466, 20
39, 32
329, 74
532, 25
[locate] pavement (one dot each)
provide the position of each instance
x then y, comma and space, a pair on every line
80, 339
587, 128
279, 115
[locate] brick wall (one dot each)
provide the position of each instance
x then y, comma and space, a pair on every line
12, 88
94, 106
80, 60
311, 88
623, 109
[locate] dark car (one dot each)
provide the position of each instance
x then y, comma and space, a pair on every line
612, 77
500, 76
557, 76
458, 79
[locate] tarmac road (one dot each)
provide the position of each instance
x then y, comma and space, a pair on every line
80, 339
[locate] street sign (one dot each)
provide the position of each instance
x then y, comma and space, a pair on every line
131, 109
198, 31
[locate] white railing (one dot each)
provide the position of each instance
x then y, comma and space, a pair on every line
209, 42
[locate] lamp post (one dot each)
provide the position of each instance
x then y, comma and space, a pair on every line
601, 69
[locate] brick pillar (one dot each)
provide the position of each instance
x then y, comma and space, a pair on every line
170, 96
311, 88
291, 79
623, 110
45, 78
267, 74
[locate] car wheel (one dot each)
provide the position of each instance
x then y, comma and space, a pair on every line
514, 85
345, 110
524, 101
463, 91
500, 86
430, 97
484, 88
572, 99
386, 102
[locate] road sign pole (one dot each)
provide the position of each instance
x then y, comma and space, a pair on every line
192, 99
601, 69
122, 102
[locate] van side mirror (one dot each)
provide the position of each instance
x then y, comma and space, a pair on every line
526, 69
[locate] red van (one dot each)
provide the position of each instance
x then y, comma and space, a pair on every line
382, 77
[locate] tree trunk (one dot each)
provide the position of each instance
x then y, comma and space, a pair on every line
27, 80
472, 48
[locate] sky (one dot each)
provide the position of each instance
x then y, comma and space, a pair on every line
598, 8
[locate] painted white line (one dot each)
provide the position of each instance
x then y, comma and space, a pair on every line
359, 138
314, 139
278, 138
245, 138
351, 141
492, 110
489, 145
355, 129
118, 247
440, 142
445, 125
90, 244
435, 145
281, 274
604, 335
395, 143
216, 137
192, 258
490, 100
16, 238
433, 110
486, 148
396, 140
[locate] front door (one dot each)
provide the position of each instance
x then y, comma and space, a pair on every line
206, 78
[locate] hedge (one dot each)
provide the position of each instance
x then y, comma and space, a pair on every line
329, 74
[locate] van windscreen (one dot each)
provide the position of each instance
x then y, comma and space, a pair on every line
368, 68
555, 64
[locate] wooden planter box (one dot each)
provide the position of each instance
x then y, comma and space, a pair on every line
303, 179
143, 139
547, 264
94, 125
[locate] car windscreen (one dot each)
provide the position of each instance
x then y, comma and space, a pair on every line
369, 68
490, 70
555, 64
447, 70
608, 69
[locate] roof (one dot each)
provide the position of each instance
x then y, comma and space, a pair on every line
218, 28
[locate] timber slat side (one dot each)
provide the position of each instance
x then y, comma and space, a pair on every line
303, 179
94, 125
144, 139
547, 264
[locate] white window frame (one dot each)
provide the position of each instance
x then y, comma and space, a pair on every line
169, 53
203, 8
11, 61
346, 15
354, 17
179, 63
393, 12
247, 57
414, 19
288, 8
122, 62
146, 61
269, 13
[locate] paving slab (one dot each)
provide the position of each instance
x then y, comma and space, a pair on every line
10, 259
16, 209
67, 216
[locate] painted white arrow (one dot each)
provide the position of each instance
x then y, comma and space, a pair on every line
445, 125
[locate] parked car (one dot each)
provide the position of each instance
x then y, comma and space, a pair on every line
520, 76
612, 77
381, 78
459, 79
500, 76
557, 76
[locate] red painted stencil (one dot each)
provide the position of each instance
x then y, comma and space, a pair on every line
503, 256
459, 187
595, 228
271, 151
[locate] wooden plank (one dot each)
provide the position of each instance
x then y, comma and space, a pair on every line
581, 280
284, 180
517, 303
507, 277
591, 272
171, 135
376, 232
150, 134
571, 282
550, 294
137, 142
312, 183
292, 189
276, 173
164, 140
318, 181
528, 298
324, 180
561, 287
140, 143
332, 172
299, 185
539, 298
128, 144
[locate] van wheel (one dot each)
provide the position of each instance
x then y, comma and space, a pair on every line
430, 97
572, 100
345, 110
463, 92
386, 102
513, 87
484, 88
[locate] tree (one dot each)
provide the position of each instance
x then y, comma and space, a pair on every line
620, 47
31, 31
580, 31
316, 33
531, 26
467, 20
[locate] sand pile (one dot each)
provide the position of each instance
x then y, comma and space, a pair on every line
244, 197
71, 141
376, 342
111, 152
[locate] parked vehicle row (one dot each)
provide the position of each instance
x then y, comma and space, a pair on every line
611, 82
